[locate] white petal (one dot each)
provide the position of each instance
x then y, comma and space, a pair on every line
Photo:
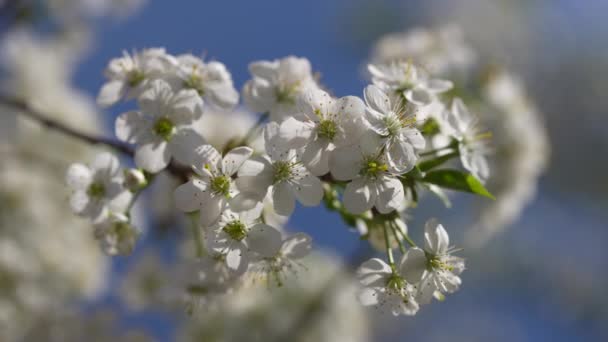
438, 85
359, 196
79, 201
78, 177
105, 165
413, 265
368, 296
264, 69
297, 246
189, 196
264, 240
234, 159
345, 162
183, 145
152, 157
316, 157
308, 190
237, 258
186, 107
295, 133
121, 201
377, 99
284, 199
419, 96
111, 93
401, 156
390, 195
436, 238
206, 155
211, 209
132, 127
373, 272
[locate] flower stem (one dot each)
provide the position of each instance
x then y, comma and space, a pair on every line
394, 228
196, 234
389, 251
118, 146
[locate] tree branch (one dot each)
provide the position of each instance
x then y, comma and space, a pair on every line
176, 170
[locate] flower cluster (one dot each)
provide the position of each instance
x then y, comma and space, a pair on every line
365, 158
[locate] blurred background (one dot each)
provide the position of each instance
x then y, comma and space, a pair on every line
540, 277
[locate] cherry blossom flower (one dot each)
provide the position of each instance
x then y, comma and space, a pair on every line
98, 189
162, 129
276, 84
214, 188
384, 286
322, 123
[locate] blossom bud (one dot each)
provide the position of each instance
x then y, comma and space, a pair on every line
135, 179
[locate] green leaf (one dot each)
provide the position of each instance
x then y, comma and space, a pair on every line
457, 180
433, 163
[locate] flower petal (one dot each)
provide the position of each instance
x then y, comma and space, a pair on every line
111, 93
436, 238
183, 145
297, 246
234, 159
390, 195
264, 240
345, 162
78, 176
153, 156
190, 196
413, 265
308, 190
359, 196
284, 199
376, 99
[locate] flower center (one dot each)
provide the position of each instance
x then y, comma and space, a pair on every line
327, 129
372, 168
435, 263
163, 128
96, 190
282, 171
135, 77
285, 94
195, 82
221, 185
236, 230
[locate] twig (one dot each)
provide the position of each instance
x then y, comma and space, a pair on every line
25, 110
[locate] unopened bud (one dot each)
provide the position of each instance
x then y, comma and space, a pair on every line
135, 179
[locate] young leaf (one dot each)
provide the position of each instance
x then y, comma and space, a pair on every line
433, 163
457, 180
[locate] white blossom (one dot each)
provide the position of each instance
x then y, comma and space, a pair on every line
98, 189
214, 187
435, 266
211, 80
276, 84
162, 128
472, 144
373, 181
442, 51
401, 79
385, 286
281, 257
116, 234
129, 76
282, 171
238, 235
400, 137
322, 124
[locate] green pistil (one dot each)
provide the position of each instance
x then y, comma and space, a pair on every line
221, 185
373, 168
395, 283
196, 83
164, 128
236, 230
433, 262
96, 190
135, 77
327, 129
287, 94
282, 171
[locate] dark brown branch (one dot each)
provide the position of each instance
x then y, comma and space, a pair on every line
176, 170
